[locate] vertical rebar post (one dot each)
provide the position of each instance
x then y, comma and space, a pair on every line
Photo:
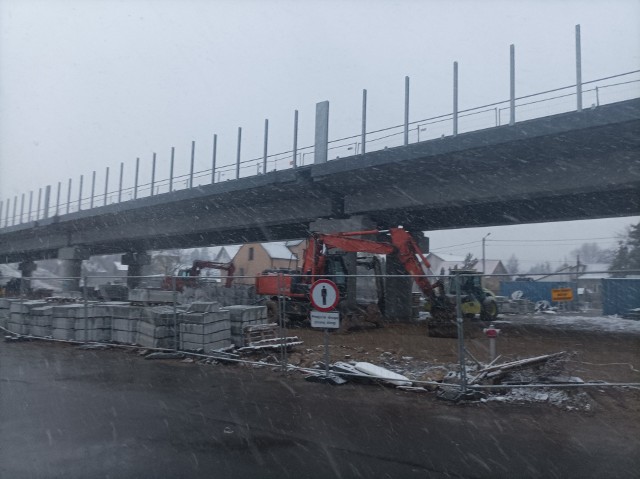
455, 98
295, 139
238, 154
578, 69
406, 110
1, 217
80, 192
106, 185
47, 200
266, 146
173, 154
153, 174
21, 208
512, 83
193, 157
120, 184
30, 205
6, 216
93, 188
58, 198
39, 198
69, 196
135, 181
364, 121
213, 159
15, 204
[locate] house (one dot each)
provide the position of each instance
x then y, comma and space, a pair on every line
253, 258
442, 264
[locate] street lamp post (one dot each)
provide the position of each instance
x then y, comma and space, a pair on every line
483, 255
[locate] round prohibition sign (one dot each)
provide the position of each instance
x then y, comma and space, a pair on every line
324, 295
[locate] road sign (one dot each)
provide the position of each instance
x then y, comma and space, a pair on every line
324, 295
562, 294
329, 320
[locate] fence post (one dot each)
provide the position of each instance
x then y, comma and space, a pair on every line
461, 352
266, 144
193, 158
295, 139
406, 111
175, 314
213, 159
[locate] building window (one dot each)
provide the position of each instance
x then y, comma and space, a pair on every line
251, 253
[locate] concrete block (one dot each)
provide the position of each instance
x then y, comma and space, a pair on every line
41, 321
40, 331
206, 328
242, 313
160, 315
127, 337
188, 345
69, 311
150, 295
5, 303
18, 328
93, 335
63, 323
153, 331
125, 312
203, 307
66, 334
25, 306
122, 324
42, 311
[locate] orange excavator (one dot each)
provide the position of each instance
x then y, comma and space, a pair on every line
189, 276
294, 285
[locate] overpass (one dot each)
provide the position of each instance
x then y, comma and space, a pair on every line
576, 165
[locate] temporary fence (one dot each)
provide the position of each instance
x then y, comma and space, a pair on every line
207, 319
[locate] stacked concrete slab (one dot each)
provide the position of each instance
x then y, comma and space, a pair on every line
205, 326
124, 322
96, 327
41, 319
20, 316
156, 328
242, 316
4, 311
64, 319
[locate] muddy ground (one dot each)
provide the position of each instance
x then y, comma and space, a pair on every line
593, 355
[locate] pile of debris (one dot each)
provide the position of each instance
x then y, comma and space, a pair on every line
535, 379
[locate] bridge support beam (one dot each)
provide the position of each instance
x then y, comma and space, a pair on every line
135, 260
71, 258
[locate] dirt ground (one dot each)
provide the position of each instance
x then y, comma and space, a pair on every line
593, 355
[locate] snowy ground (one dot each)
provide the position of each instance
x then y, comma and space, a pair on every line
574, 322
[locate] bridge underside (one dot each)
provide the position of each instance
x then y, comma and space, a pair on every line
566, 167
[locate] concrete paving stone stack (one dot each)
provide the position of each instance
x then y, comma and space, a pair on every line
124, 322
20, 316
5, 304
243, 316
41, 321
96, 327
156, 328
205, 326
64, 319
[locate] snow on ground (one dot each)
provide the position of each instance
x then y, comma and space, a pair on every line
575, 322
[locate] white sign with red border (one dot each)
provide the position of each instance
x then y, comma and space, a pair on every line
324, 295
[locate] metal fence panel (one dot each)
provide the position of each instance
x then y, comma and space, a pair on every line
620, 294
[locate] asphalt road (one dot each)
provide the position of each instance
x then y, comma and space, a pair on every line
73, 413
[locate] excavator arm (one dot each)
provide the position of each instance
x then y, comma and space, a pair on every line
199, 265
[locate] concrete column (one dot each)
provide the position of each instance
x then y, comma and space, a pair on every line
26, 268
397, 292
135, 261
71, 262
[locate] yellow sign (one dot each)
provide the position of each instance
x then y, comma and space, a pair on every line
562, 294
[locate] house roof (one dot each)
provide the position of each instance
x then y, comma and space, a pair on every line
278, 250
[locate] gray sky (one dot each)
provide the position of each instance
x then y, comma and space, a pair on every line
88, 84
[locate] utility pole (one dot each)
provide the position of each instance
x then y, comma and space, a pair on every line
484, 257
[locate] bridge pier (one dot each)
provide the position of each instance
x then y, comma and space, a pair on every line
135, 260
71, 262
26, 268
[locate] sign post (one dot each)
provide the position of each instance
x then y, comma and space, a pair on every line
324, 296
